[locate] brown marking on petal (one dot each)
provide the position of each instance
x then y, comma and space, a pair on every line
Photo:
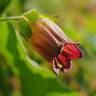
56, 35
48, 54
43, 53
56, 31
44, 43
47, 44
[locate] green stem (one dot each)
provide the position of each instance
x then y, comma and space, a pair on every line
10, 18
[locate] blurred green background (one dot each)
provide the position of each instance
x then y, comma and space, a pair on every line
22, 76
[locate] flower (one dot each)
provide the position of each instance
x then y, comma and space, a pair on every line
53, 44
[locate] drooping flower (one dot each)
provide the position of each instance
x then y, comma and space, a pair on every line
53, 44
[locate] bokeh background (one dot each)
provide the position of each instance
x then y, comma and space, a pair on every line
23, 77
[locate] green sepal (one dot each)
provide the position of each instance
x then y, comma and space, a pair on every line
31, 16
24, 29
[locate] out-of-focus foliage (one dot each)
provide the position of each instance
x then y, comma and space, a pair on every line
21, 75
3, 5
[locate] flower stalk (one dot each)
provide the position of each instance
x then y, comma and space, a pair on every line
10, 18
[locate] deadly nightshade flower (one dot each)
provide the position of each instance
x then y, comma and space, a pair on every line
53, 44
48, 39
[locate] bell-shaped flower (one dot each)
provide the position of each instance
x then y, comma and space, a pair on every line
53, 44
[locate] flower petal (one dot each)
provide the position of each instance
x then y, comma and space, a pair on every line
56, 31
55, 69
72, 51
44, 42
66, 62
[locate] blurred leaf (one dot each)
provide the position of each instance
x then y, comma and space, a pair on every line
64, 94
91, 25
3, 4
4, 86
35, 81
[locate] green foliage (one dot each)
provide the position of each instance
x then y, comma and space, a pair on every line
32, 15
34, 80
20, 75
25, 29
3, 4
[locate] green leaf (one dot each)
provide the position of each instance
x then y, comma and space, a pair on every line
4, 86
35, 81
64, 94
3, 5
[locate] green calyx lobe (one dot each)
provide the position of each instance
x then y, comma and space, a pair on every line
28, 18
31, 16
24, 29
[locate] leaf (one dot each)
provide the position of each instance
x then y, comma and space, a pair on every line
64, 94
4, 86
35, 81
3, 5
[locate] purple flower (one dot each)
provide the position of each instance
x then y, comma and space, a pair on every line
53, 44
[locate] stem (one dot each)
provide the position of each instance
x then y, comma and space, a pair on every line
10, 18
